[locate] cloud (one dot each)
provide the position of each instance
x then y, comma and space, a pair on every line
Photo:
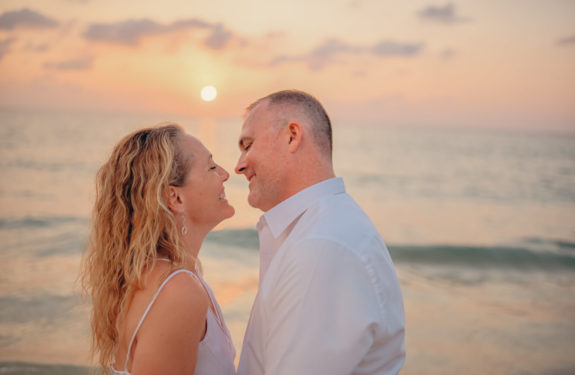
5, 46
84, 63
443, 14
188, 24
448, 53
43, 47
326, 52
396, 49
355, 4
127, 32
566, 41
130, 32
275, 34
25, 18
218, 38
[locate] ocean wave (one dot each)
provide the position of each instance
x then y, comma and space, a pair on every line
39, 222
557, 244
529, 253
45, 307
47, 166
244, 238
43, 236
533, 253
482, 257
25, 368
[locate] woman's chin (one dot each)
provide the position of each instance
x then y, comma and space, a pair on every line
231, 211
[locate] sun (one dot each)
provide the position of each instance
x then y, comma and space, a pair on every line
209, 93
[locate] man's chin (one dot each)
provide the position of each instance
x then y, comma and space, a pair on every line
254, 202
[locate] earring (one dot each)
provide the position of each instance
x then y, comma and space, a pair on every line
184, 228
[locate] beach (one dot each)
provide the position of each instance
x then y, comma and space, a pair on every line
479, 223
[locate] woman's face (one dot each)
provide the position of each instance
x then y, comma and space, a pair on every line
203, 197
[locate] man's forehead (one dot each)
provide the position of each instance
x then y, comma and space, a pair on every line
261, 109
252, 119
256, 106
247, 128
257, 121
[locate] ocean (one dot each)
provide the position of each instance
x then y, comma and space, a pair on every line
480, 224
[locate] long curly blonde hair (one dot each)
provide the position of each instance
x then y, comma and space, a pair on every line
131, 224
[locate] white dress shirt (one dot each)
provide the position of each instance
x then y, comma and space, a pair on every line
329, 300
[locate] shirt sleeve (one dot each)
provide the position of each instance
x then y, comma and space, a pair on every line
322, 311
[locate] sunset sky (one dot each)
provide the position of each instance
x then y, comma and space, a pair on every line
482, 63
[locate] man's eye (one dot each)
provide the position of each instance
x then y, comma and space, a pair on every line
212, 168
246, 147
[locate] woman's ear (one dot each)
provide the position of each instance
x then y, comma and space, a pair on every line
174, 199
295, 136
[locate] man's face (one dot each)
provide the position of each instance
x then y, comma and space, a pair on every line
262, 158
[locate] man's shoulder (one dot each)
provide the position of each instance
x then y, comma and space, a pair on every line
340, 218
339, 224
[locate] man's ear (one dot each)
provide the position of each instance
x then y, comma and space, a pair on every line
175, 202
295, 133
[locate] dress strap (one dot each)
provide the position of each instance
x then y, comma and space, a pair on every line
148, 310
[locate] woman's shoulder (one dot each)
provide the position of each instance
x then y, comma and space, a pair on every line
181, 303
166, 292
177, 289
183, 287
170, 308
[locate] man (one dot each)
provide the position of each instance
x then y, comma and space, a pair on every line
329, 300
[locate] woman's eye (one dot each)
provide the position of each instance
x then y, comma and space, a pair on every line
247, 147
213, 168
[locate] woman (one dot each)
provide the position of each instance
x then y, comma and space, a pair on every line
157, 197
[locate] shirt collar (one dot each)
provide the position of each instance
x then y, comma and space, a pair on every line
282, 215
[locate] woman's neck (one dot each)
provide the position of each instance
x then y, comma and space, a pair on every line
192, 242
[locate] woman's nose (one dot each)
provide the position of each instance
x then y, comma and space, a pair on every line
224, 174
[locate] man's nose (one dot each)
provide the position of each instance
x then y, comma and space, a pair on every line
241, 166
